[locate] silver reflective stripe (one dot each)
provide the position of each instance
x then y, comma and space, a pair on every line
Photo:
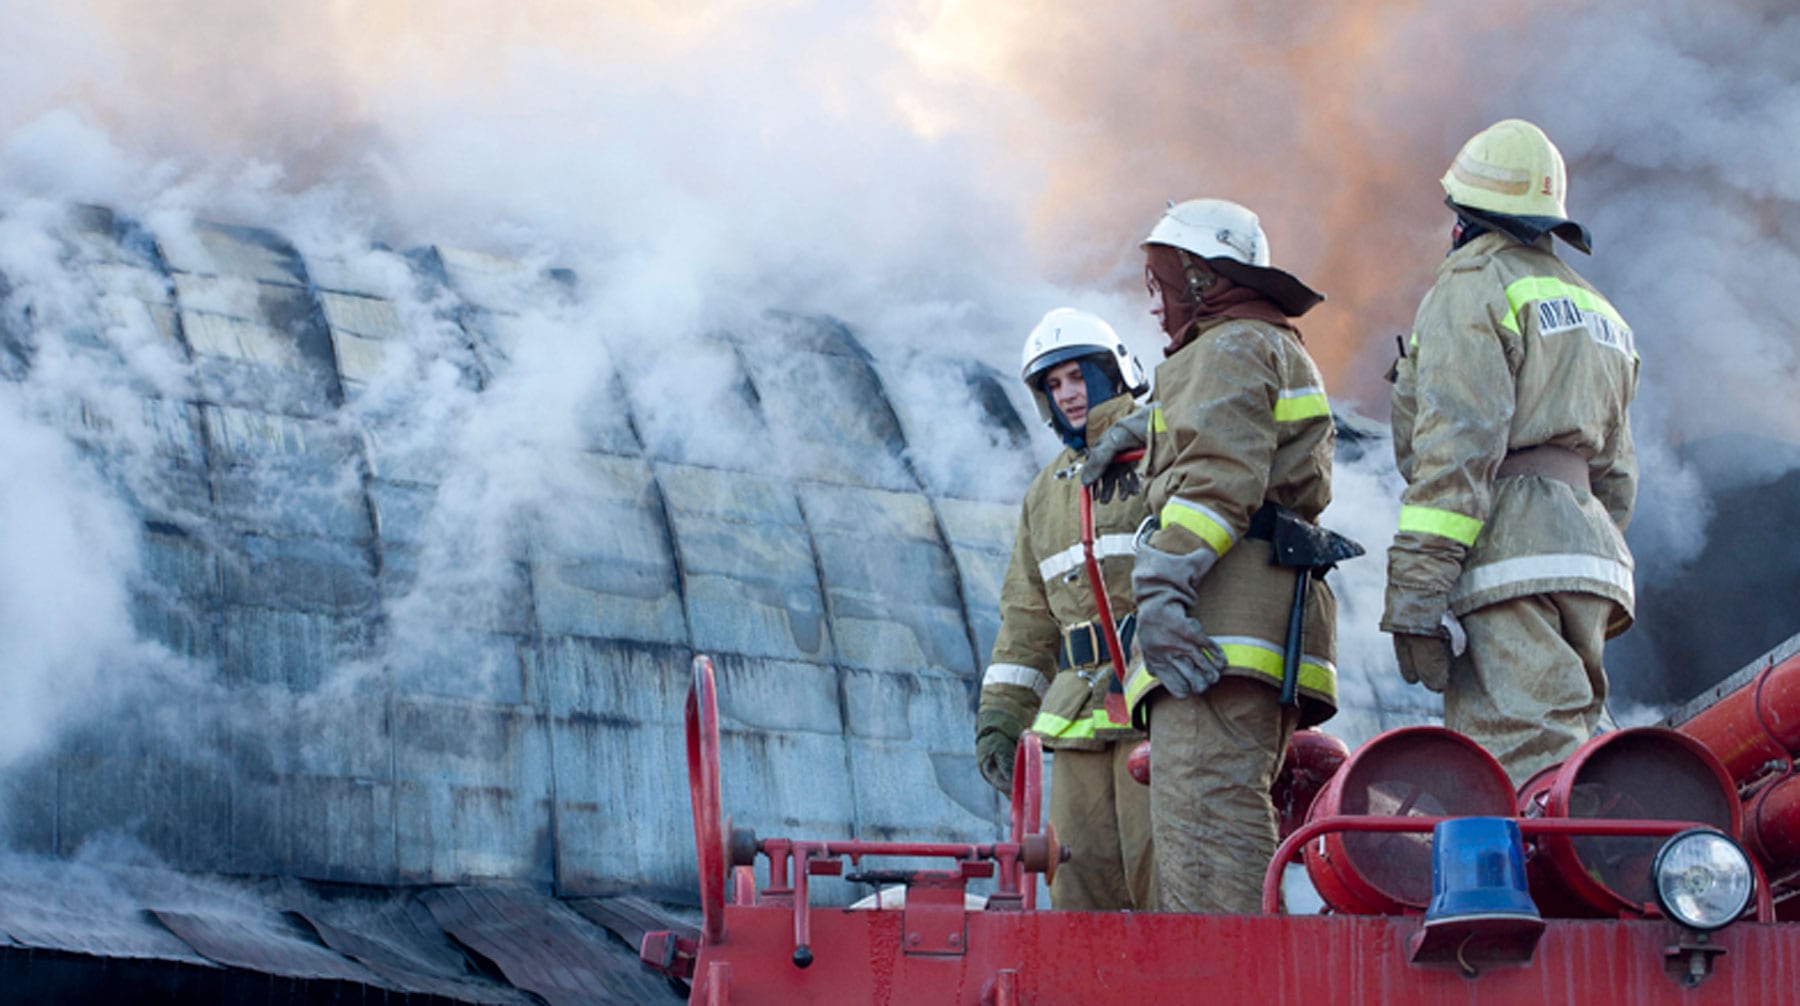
1105, 547
1016, 674
1572, 566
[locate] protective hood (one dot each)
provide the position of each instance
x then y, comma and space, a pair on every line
1102, 387
1284, 289
1527, 229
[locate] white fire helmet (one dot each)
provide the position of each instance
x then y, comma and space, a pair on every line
1230, 237
1070, 334
1213, 228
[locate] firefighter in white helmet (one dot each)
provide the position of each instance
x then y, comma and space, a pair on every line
1050, 669
1511, 429
1239, 432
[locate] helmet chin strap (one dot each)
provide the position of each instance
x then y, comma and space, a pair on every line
1200, 278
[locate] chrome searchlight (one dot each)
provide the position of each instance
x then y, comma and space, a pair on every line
1702, 879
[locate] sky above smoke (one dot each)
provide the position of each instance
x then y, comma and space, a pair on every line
938, 174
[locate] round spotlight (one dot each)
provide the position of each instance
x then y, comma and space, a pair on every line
1702, 879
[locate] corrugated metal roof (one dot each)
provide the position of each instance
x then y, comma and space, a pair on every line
509, 946
543, 946
269, 944
83, 912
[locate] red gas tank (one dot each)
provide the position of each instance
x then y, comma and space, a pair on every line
1648, 773
1313, 759
1409, 772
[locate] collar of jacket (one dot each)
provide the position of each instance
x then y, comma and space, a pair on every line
1489, 244
1205, 325
1107, 413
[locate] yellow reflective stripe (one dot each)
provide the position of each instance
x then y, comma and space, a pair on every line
1316, 674
1266, 659
1301, 403
1049, 725
1157, 423
1209, 526
1137, 684
1415, 340
1443, 523
1534, 288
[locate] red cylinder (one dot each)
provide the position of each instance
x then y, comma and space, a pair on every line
1313, 757
1408, 772
1138, 762
1645, 773
1755, 725
1772, 826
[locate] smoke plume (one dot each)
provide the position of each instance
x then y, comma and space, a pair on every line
935, 173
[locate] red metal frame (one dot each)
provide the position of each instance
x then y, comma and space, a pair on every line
1530, 828
1747, 729
1482, 788
703, 794
1559, 853
934, 950
1027, 806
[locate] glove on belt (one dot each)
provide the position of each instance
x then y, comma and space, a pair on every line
1130, 433
1177, 650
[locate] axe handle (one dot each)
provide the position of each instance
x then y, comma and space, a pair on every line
1290, 657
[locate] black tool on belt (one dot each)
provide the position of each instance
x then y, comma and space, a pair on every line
1309, 550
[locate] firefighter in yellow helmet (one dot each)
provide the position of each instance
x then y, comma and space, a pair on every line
1050, 668
1511, 430
1240, 434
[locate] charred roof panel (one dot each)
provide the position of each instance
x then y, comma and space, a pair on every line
399, 940
890, 584
265, 943
749, 579
615, 722
227, 250
980, 535
827, 406
85, 913
472, 790
544, 947
601, 563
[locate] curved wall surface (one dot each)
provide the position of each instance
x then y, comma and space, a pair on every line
408, 623
537, 733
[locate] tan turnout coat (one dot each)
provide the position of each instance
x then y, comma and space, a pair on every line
1511, 349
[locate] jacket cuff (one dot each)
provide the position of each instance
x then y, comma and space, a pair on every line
1156, 570
1001, 721
1413, 612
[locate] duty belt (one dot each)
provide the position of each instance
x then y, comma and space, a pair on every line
1084, 645
1559, 463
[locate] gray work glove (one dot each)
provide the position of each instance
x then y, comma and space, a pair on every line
1424, 660
997, 747
1100, 473
1176, 648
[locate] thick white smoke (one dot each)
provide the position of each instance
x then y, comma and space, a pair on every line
935, 173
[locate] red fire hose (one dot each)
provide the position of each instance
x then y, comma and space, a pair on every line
1115, 695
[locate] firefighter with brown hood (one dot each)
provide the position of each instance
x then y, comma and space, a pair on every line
1051, 670
1511, 430
1239, 434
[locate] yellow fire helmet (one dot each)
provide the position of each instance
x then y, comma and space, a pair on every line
1510, 167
